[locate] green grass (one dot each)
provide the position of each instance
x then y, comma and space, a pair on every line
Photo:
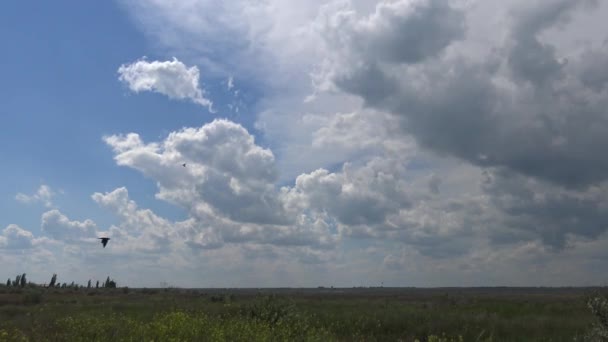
33, 314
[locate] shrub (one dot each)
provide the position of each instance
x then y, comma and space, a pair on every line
272, 310
218, 298
598, 305
148, 291
32, 297
12, 335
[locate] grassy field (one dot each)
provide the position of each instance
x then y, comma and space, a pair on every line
358, 314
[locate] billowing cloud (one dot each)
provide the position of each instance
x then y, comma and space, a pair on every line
228, 186
225, 169
406, 31
44, 195
171, 78
397, 70
538, 210
523, 108
59, 227
15, 237
139, 230
445, 143
357, 195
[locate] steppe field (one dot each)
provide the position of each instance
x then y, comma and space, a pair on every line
34, 313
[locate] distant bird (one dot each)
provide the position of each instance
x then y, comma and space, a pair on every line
184, 164
104, 241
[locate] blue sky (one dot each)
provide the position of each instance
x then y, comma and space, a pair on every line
410, 142
60, 95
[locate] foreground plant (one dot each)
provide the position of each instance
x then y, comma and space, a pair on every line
177, 326
599, 307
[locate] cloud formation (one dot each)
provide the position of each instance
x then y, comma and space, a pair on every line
521, 108
228, 186
171, 78
15, 237
44, 195
458, 130
406, 31
139, 230
59, 227
224, 168
446, 143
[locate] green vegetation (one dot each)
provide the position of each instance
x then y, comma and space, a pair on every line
76, 313
598, 304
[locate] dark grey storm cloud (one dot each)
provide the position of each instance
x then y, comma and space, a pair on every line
521, 108
397, 32
594, 68
536, 210
393, 33
529, 58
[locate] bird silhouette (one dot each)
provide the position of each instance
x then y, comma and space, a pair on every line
184, 164
104, 241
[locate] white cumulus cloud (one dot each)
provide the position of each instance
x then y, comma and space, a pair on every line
44, 195
59, 227
171, 78
461, 139
15, 237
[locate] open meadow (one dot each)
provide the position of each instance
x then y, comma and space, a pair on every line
323, 314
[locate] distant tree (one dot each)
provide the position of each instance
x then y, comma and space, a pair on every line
53, 280
23, 280
8, 282
89, 284
109, 283
17, 280
72, 285
64, 285
97, 285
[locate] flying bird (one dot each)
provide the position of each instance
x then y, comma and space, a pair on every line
184, 164
104, 241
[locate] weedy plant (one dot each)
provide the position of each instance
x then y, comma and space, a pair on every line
598, 304
172, 326
32, 297
38, 314
272, 310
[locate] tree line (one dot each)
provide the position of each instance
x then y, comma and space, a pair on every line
21, 281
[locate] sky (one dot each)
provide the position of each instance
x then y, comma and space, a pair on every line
272, 143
